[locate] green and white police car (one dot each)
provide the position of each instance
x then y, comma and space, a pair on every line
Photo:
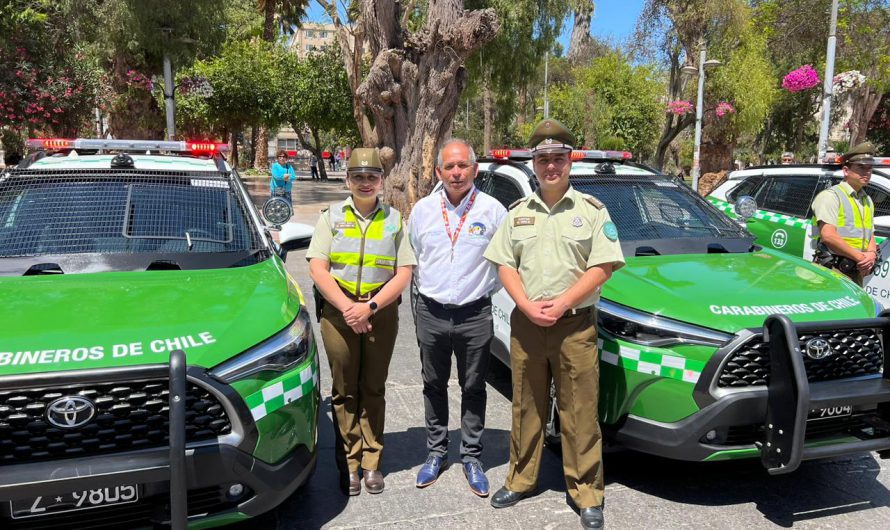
157, 362
784, 195
711, 346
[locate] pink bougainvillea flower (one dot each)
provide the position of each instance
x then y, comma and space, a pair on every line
804, 78
679, 107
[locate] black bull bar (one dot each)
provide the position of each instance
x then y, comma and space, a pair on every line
790, 396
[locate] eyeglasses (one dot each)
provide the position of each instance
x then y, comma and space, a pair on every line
360, 178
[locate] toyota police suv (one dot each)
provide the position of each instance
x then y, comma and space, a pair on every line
713, 347
157, 362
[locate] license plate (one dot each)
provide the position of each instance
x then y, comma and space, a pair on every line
74, 501
831, 412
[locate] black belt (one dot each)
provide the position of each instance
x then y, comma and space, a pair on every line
578, 311
475, 304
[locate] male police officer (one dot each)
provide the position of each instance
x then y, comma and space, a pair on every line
449, 231
843, 225
554, 251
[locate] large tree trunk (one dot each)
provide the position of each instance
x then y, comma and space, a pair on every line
314, 148
135, 113
716, 156
580, 41
414, 85
261, 138
487, 111
864, 108
351, 40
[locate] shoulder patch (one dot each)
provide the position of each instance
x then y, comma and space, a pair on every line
596, 203
517, 202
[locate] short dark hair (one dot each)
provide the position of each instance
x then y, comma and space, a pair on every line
281, 152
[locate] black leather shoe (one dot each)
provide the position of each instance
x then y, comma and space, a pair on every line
373, 480
592, 517
505, 498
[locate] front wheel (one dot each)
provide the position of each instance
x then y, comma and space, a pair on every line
551, 428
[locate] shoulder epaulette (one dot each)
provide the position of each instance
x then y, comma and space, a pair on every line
517, 202
323, 210
596, 203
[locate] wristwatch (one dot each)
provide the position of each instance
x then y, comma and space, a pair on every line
373, 305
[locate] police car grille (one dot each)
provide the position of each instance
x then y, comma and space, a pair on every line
129, 415
856, 352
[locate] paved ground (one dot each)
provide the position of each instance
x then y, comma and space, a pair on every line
641, 491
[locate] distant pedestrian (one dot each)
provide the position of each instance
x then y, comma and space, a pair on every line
332, 161
313, 166
450, 231
787, 158
338, 159
283, 177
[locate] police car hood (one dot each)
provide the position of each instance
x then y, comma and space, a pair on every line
729, 292
116, 319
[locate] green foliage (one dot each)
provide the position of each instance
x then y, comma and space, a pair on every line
244, 89
612, 103
47, 82
747, 80
314, 94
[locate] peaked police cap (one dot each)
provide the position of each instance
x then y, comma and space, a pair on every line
860, 154
550, 135
364, 160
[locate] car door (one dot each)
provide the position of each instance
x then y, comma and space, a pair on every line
506, 190
782, 218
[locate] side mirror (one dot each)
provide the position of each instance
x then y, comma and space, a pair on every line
277, 211
746, 207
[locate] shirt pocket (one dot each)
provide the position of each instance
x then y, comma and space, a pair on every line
579, 240
524, 239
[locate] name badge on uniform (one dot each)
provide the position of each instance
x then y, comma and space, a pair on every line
344, 225
523, 221
385, 262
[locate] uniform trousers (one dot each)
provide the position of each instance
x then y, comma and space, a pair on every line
566, 351
359, 367
465, 331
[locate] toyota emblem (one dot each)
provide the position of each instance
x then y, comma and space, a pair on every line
818, 348
70, 412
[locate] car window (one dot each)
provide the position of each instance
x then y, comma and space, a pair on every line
44, 213
791, 195
498, 186
658, 209
879, 196
749, 186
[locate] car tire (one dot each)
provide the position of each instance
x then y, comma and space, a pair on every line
552, 433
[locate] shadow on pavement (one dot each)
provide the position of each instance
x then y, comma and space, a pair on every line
817, 489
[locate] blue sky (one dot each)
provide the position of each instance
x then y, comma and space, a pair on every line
613, 20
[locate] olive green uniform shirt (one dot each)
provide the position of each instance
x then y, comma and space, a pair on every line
323, 236
827, 204
552, 248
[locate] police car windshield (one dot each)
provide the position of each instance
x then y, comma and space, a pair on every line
656, 215
123, 212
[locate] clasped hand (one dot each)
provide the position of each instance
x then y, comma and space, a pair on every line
866, 262
357, 317
545, 313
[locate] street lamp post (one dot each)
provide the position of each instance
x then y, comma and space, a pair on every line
699, 110
828, 84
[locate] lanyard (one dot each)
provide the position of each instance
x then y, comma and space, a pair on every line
460, 224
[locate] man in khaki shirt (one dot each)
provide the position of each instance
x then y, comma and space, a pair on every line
554, 252
843, 219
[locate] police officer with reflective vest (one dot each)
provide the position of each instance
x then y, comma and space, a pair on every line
360, 260
843, 219
554, 251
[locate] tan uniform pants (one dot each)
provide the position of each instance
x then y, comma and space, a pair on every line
567, 351
359, 367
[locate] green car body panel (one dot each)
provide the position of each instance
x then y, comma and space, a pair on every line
723, 292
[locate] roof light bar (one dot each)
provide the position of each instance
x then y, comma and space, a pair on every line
126, 145
576, 155
882, 160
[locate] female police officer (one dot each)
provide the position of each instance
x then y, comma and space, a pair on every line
360, 261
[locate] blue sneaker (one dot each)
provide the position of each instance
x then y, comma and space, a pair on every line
476, 478
430, 470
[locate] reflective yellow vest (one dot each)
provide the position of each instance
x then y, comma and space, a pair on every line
854, 220
363, 261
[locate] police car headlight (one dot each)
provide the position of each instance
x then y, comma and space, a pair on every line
277, 354
653, 330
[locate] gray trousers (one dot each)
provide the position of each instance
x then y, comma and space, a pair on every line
466, 331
